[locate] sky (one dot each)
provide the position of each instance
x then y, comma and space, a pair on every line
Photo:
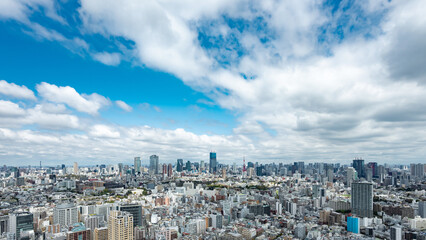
104, 81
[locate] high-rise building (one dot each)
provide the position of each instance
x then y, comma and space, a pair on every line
362, 199
135, 210
422, 209
213, 163
169, 170
100, 233
4, 224
20, 222
154, 164
65, 214
358, 164
120, 226
75, 168
179, 165
351, 175
137, 165
188, 166
374, 168
395, 233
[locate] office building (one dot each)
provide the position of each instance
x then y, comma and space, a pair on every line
20, 223
120, 226
213, 163
351, 175
154, 164
395, 233
137, 165
65, 214
179, 165
75, 168
422, 209
358, 164
135, 210
362, 199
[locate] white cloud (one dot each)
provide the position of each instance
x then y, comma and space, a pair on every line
90, 104
103, 131
123, 106
10, 109
112, 59
16, 91
307, 93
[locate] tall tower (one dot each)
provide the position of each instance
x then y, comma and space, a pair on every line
120, 226
213, 162
358, 164
362, 199
137, 165
154, 164
75, 168
244, 164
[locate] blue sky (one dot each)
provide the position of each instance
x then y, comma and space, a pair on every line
45, 61
271, 80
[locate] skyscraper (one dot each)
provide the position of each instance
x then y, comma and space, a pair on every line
153, 164
350, 176
422, 209
188, 166
137, 165
213, 162
358, 164
120, 226
362, 199
179, 165
75, 168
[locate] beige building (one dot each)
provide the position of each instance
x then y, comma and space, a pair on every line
100, 233
120, 226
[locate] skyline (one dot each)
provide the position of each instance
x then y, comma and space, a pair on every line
103, 82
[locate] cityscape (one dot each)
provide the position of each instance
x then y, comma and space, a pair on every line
212, 119
210, 200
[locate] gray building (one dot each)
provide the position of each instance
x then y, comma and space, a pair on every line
135, 210
65, 214
21, 222
137, 165
154, 164
359, 166
362, 199
422, 209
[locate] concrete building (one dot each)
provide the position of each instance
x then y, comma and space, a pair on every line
65, 214
100, 233
120, 226
395, 233
21, 222
362, 199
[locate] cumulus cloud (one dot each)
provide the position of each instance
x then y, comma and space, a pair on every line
10, 109
308, 81
90, 104
123, 106
103, 131
16, 91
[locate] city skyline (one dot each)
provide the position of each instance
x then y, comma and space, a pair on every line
274, 81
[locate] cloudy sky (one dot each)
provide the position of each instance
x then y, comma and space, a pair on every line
103, 81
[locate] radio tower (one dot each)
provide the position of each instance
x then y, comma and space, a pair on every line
244, 164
